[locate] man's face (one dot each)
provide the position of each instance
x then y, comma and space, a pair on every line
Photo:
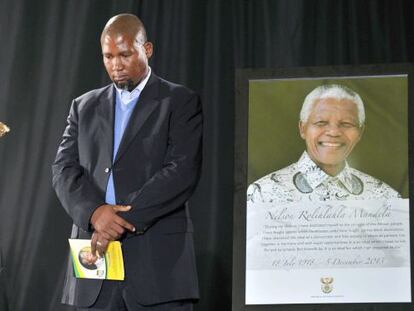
125, 59
87, 258
331, 132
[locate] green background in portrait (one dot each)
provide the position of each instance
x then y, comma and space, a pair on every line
273, 135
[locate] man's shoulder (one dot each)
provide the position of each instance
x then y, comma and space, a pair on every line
283, 174
91, 99
172, 88
276, 186
94, 94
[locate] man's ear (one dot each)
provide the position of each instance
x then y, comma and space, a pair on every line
302, 129
149, 48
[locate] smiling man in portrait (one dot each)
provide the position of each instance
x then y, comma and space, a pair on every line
332, 121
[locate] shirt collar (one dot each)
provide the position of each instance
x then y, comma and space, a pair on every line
315, 176
126, 96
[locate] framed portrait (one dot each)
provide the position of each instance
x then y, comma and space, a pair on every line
323, 167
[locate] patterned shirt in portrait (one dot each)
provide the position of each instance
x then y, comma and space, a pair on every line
305, 181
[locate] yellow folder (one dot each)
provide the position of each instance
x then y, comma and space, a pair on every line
109, 267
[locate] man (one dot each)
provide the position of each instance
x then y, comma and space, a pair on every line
128, 162
331, 123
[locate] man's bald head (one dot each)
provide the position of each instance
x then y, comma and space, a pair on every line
125, 24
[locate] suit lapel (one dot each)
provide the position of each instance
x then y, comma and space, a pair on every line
106, 113
145, 106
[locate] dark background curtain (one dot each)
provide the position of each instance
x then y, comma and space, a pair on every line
50, 53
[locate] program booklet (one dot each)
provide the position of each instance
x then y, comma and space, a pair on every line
109, 267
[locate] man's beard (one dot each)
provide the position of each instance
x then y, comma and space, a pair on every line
128, 85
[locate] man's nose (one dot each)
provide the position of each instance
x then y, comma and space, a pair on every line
333, 130
117, 63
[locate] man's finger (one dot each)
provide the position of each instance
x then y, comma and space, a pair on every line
122, 222
113, 233
121, 208
93, 244
115, 226
100, 252
105, 235
102, 246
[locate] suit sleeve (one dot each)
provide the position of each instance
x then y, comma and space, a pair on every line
77, 194
171, 187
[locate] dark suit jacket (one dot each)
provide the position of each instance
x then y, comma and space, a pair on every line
155, 171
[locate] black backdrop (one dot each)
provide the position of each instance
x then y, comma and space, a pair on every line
50, 53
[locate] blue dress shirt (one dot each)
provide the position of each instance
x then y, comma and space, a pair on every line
124, 105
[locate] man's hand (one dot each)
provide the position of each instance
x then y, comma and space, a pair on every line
98, 243
108, 224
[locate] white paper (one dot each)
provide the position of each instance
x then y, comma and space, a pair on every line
328, 252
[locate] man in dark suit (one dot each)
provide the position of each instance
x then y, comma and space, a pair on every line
127, 164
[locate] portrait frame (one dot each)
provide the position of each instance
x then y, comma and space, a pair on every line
243, 174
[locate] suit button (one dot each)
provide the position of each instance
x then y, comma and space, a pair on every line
107, 170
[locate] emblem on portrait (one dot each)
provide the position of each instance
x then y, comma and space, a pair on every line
327, 285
